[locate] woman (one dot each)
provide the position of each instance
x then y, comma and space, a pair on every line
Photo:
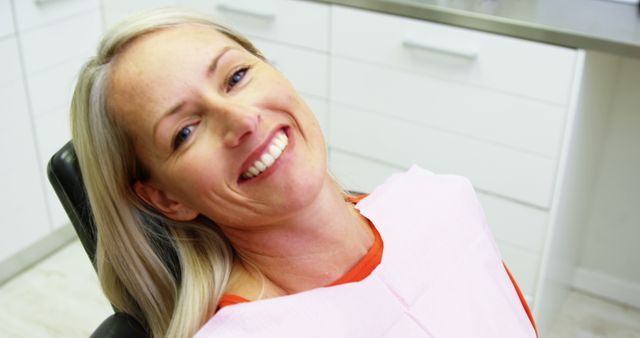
188, 139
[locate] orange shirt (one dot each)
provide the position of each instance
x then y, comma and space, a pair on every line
365, 266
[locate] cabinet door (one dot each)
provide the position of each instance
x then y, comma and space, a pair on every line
52, 88
299, 23
501, 170
53, 130
32, 14
307, 70
49, 46
526, 68
481, 113
53, 55
6, 19
116, 10
23, 214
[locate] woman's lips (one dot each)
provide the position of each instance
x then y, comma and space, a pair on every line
266, 156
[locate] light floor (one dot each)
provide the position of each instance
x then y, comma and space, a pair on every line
49, 301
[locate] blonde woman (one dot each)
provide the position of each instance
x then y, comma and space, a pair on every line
188, 139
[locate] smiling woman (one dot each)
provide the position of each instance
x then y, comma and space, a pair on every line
182, 128
188, 139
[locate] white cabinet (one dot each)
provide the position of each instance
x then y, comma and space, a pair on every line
116, 10
32, 14
298, 23
456, 54
38, 62
501, 170
308, 70
54, 44
53, 52
457, 101
23, 210
478, 112
10, 67
6, 19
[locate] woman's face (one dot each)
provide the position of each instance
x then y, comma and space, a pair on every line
222, 132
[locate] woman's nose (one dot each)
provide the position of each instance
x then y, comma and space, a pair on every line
240, 122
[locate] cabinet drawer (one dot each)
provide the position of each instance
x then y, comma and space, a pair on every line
23, 213
516, 66
37, 13
53, 130
510, 223
9, 63
294, 22
523, 266
481, 113
307, 70
60, 42
357, 173
520, 226
501, 170
115, 11
6, 19
51, 89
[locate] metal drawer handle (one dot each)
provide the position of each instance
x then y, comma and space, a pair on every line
459, 51
43, 2
256, 13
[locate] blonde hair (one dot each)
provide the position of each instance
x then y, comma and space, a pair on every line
173, 297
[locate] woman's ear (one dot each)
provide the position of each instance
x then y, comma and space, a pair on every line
159, 200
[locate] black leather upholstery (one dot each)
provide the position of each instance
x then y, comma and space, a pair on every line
119, 325
66, 179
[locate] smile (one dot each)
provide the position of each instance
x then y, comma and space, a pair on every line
269, 157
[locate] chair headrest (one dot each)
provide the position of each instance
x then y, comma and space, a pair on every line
65, 177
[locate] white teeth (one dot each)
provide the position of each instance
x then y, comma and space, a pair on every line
275, 151
279, 143
261, 166
272, 153
267, 159
253, 171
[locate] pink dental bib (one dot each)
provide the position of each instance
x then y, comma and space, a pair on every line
441, 276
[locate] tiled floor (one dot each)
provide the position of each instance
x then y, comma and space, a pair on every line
48, 301
585, 316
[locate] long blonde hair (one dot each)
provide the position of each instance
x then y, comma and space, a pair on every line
171, 297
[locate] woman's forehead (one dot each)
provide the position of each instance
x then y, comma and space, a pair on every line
176, 46
160, 64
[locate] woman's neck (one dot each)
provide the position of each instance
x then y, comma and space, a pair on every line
311, 249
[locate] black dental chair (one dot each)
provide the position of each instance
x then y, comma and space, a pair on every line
66, 179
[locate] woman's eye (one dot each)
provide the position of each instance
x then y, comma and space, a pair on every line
236, 77
182, 136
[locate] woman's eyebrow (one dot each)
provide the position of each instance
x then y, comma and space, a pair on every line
171, 111
210, 70
214, 63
